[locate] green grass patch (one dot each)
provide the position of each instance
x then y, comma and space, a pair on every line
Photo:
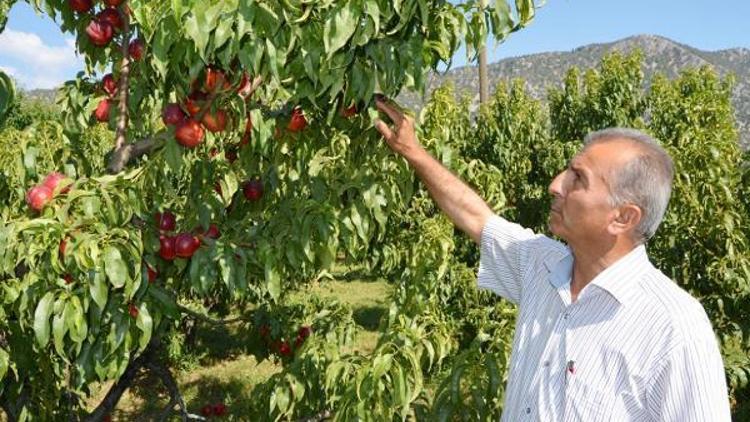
225, 362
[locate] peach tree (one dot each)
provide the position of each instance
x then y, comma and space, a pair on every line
232, 160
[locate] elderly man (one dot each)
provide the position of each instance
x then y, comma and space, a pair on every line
601, 334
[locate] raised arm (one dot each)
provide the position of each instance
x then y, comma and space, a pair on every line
463, 206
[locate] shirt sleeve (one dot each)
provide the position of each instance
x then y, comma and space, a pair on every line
504, 251
690, 384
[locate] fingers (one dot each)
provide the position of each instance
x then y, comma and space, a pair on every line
382, 105
384, 129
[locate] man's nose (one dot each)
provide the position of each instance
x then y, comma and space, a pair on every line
555, 187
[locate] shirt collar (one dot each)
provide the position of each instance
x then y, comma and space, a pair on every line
619, 279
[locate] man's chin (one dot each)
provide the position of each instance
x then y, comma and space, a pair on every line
554, 228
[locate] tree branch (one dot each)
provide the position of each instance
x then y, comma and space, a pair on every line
207, 105
205, 318
122, 156
174, 393
13, 411
122, 121
8, 413
321, 416
114, 394
247, 92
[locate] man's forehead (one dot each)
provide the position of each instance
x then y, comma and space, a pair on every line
582, 160
604, 155
600, 160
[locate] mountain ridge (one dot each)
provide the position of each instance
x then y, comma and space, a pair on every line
660, 54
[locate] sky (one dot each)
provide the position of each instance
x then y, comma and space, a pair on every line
38, 55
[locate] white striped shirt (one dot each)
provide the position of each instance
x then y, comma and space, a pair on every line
633, 347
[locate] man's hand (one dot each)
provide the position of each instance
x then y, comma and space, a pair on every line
401, 138
462, 205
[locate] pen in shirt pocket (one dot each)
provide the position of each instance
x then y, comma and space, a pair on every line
570, 370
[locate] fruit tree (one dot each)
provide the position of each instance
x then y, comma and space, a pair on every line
240, 163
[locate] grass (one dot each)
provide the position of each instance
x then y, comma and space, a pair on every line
226, 369
368, 300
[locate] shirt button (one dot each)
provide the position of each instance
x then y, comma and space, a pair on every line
565, 315
546, 363
528, 410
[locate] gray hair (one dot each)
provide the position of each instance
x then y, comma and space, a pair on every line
645, 181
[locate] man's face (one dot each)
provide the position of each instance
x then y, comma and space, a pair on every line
581, 212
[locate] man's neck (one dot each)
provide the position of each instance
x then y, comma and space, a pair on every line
589, 262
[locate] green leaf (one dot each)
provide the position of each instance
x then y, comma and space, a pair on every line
223, 32
272, 59
161, 44
41, 319
227, 267
455, 386
76, 321
245, 18
317, 162
201, 271
280, 399
165, 299
114, 266
502, 19
399, 390
373, 11
340, 26
298, 389
58, 332
145, 324
525, 10
98, 288
199, 26
430, 351
273, 280
359, 223
177, 10
4, 364
173, 155
7, 94
494, 374
381, 364
29, 160
229, 185
266, 20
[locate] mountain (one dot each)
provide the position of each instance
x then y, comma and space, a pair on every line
659, 55
46, 95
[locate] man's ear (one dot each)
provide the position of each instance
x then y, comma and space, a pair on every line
627, 218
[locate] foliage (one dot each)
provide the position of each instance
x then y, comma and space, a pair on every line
333, 193
7, 96
5, 6
611, 96
24, 111
435, 311
693, 117
87, 295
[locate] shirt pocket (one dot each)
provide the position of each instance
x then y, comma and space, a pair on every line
585, 402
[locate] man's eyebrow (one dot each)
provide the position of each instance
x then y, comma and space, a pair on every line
578, 169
